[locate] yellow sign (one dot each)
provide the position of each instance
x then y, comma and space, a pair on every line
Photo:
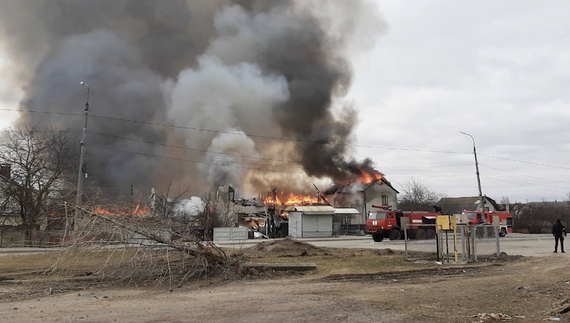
446, 222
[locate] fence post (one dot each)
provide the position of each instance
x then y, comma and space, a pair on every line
464, 250
438, 249
474, 243
405, 241
497, 225
497, 231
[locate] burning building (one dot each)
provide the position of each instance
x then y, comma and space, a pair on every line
363, 194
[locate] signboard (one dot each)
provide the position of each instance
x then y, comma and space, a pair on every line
405, 223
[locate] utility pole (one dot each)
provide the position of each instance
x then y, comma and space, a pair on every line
481, 201
81, 172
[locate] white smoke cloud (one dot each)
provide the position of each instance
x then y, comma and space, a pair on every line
245, 36
239, 152
231, 99
192, 206
219, 96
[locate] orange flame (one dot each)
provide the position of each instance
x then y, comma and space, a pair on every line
291, 199
367, 178
139, 210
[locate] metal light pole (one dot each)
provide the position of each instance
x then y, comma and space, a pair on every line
481, 202
79, 200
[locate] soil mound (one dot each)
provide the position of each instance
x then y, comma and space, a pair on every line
284, 247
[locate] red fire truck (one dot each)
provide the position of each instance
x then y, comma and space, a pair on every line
505, 219
386, 223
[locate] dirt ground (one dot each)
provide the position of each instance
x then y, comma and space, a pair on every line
350, 285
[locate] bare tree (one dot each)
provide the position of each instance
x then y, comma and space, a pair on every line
217, 212
538, 217
41, 167
166, 205
416, 196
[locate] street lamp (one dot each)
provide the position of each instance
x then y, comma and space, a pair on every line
81, 171
481, 202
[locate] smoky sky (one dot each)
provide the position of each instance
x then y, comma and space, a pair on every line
243, 67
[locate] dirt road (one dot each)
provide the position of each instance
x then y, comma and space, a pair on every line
351, 285
530, 289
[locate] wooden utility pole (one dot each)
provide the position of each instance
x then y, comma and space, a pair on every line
81, 172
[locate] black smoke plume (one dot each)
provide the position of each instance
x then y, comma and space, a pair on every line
264, 74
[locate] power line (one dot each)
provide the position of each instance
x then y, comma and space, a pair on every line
530, 176
426, 167
43, 112
193, 149
272, 137
195, 161
251, 157
240, 133
525, 162
523, 184
281, 138
435, 176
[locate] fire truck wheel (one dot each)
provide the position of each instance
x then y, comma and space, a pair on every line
420, 234
395, 234
503, 232
377, 237
430, 234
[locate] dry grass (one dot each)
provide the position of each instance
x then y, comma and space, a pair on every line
75, 269
69, 264
331, 260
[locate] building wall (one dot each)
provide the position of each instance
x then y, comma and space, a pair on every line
303, 225
295, 225
379, 195
317, 225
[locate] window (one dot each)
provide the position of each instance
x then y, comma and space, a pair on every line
377, 215
384, 200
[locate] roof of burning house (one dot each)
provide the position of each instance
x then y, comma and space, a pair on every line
346, 189
346, 210
321, 209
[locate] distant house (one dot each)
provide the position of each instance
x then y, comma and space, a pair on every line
363, 196
9, 209
456, 205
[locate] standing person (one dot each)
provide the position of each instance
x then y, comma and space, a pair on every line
559, 232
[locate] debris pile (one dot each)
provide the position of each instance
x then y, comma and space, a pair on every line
493, 317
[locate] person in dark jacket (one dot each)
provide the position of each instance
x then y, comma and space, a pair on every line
559, 232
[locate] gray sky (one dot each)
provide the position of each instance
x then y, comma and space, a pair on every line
498, 70
495, 69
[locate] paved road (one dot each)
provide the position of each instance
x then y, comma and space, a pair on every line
512, 244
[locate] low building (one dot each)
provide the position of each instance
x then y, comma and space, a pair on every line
311, 221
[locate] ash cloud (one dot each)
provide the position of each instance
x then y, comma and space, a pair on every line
270, 69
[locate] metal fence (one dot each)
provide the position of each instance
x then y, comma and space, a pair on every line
465, 244
419, 245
